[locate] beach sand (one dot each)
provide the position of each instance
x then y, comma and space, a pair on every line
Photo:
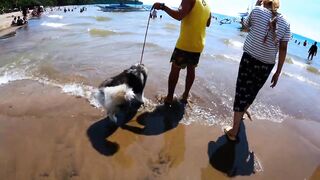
48, 135
5, 23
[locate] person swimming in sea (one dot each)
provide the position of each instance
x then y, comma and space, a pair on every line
313, 51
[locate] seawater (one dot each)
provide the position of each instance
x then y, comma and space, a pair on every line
77, 51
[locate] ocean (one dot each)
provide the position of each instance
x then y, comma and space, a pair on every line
77, 51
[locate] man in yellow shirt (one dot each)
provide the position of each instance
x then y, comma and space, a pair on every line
195, 16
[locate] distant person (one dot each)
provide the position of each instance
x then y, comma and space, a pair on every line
295, 41
195, 16
19, 21
305, 43
313, 51
24, 11
14, 21
299, 43
269, 34
25, 20
160, 16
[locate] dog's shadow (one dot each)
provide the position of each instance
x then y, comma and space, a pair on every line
232, 158
102, 129
160, 120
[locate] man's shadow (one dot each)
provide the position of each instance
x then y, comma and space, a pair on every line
102, 129
232, 158
160, 120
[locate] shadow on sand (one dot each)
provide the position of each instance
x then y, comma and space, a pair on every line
158, 121
102, 129
232, 158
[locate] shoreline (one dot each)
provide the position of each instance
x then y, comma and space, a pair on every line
52, 137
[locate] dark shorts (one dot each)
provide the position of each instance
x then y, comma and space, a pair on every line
251, 77
184, 58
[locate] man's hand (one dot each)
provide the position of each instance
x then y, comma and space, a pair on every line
274, 79
157, 6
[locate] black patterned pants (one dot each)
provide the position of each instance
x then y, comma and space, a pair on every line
251, 77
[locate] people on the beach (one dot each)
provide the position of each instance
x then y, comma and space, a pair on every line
24, 12
14, 21
269, 33
313, 51
195, 16
19, 21
305, 43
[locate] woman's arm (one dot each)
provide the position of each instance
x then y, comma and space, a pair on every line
282, 57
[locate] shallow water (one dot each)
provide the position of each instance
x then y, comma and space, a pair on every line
76, 52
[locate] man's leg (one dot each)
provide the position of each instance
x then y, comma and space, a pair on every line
189, 81
309, 56
312, 56
172, 82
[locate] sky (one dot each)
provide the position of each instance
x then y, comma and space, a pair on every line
303, 15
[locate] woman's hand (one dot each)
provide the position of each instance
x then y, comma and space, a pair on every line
274, 79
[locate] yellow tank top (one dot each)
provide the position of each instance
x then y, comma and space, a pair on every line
193, 28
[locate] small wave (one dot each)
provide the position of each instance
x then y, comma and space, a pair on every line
101, 32
148, 44
80, 24
268, 112
289, 60
225, 57
74, 89
9, 77
54, 25
102, 18
233, 43
98, 18
170, 26
302, 79
313, 70
54, 16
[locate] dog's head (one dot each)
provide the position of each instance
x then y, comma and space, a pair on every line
137, 77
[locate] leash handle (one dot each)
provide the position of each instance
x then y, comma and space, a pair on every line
145, 36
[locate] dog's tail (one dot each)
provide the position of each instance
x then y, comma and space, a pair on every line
110, 97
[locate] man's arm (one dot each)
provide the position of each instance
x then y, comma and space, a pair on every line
184, 9
282, 56
209, 21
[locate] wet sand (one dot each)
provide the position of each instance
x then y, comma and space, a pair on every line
45, 134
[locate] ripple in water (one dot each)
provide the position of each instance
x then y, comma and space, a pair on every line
230, 42
54, 16
97, 18
101, 32
53, 25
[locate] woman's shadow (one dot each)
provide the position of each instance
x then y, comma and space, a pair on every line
232, 158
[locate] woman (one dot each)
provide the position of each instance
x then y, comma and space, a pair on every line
269, 32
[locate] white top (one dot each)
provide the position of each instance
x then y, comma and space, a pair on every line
258, 23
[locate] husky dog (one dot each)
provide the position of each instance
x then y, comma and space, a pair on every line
123, 91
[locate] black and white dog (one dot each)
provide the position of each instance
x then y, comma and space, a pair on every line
124, 91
